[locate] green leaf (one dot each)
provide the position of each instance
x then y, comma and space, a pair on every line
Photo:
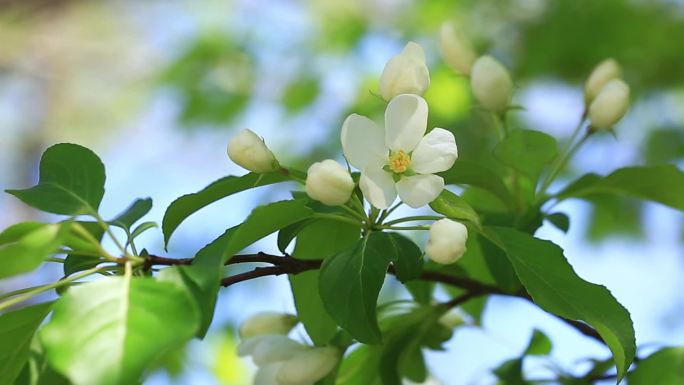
16, 332
556, 288
560, 220
527, 151
510, 373
408, 263
454, 207
263, 221
287, 234
473, 174
37, 371
664, 367
141, 228
71, 181
74, 262
188, 204
350, 282
300, 94
662, 184
318, 240
24, 246
540, 344
107, 332
133, 213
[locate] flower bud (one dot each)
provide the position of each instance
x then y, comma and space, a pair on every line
329, 182
456, 49
604, 72
267, 323
405, 73
274, 348
447, 241
249, 151
308, 366
451, 319
610, 104
268, 374
491, 84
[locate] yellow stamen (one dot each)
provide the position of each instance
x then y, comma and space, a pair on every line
399, 161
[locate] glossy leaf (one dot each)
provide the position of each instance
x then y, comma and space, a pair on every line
665, 367
454, 207
662, 184
408, 262
350, 282
555, 287
107, 332
527, 151
133, 213
16, 332
71, 181
24, 246
188, 204
470, 173
318, 240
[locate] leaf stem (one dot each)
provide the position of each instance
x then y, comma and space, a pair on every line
339, 218
562, 162
414, 218
389, 211
31, 292
354, 213
86, 234
403, 227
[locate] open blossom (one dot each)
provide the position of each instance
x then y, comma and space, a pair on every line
399, 159
610, 105
405, 73
447, 242
603, 73
249, 151
330, 183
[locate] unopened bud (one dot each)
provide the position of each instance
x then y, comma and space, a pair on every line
405, 73
329, 182
268, 374
457, 51
491, 84
451, 319
249, 151
308, 366
604, 72
274, 348
610, 104
267, 323
447, 241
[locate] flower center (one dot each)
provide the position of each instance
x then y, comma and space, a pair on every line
399, 161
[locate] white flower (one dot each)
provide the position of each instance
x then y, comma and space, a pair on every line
308, 366
491, 84
249, 151
604, 72
405, 73
457, 51
274, 348
329, 182
267, 323
447, 242
610, 105
398, 158
268, 374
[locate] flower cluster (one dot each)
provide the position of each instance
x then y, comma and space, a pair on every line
281, 360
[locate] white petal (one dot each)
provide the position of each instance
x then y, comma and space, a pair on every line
436, 152
377, 186
363, 141
275, 348
419, 190
247, 346
268, 375
405, 73
405, 122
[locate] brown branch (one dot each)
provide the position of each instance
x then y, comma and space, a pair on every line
289, 265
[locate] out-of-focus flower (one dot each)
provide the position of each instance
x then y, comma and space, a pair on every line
249, 151
267, 323
405, 73
329, 182
610, 105
457, 51
399, 159
308, 366
447, 241
604, 72
491, 84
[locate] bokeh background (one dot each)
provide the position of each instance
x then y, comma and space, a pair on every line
157, 88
